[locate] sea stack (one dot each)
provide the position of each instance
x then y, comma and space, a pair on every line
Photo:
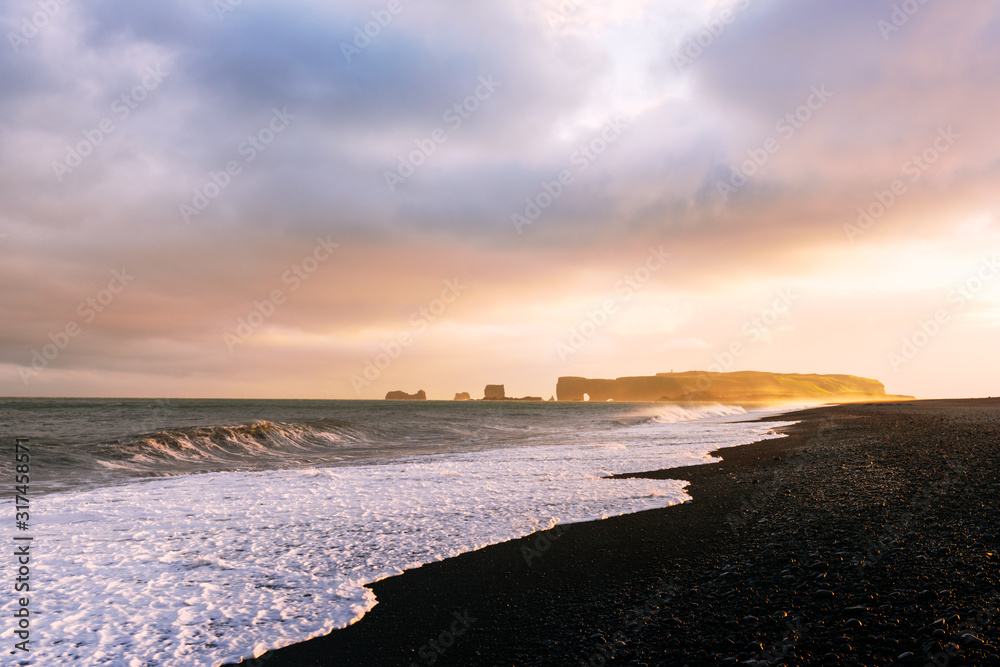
494, 392
403, 396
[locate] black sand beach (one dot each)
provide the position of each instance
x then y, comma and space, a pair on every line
867, 537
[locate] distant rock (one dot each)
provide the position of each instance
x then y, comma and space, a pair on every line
403, 396
463, 396
494, 392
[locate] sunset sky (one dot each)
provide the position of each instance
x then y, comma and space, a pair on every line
258, 199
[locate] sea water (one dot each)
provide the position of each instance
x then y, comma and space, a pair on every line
197, 532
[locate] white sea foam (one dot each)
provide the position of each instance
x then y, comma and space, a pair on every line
672, 413
203, 569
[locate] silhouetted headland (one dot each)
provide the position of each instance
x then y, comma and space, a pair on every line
738, 387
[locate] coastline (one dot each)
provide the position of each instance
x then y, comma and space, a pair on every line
844, 542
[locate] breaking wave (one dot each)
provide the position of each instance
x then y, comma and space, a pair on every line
673, 413
257, 445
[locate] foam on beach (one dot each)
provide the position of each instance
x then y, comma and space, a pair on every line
208, 568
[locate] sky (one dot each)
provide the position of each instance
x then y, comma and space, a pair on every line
306, 199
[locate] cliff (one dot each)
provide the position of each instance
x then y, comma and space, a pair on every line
739, 387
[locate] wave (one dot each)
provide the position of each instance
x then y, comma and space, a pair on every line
360, 436
259, 444
673, 413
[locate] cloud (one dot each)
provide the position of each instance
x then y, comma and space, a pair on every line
561, 82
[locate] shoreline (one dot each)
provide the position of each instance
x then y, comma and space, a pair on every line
641, 588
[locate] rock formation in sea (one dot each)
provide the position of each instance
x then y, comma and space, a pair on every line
463, 396
403, 396
494, 392
738, 387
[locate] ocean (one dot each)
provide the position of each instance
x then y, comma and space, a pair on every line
196, 532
